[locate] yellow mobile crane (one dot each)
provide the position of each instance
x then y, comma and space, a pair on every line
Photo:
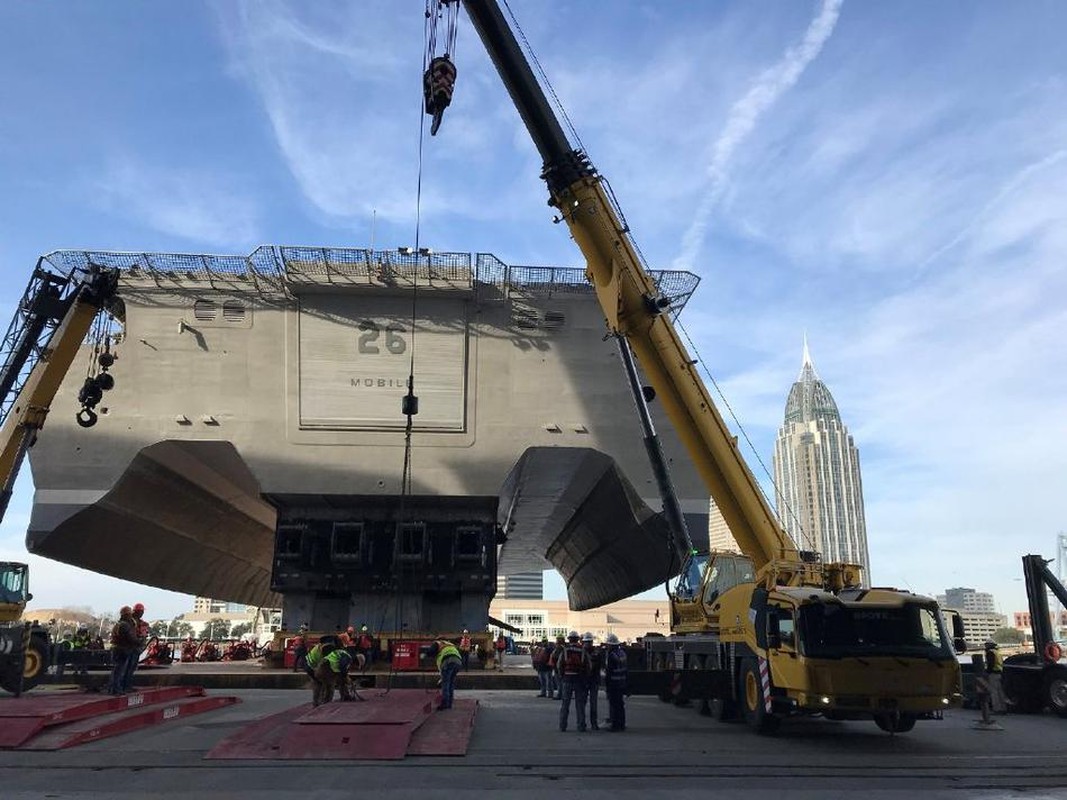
773, 632
53, 318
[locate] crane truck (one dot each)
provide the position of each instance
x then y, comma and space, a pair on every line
53, 319
773, 631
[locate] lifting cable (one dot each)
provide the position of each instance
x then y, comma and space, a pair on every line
439, 77
574, 136
744, 434
97, 378
439, 71
625, 231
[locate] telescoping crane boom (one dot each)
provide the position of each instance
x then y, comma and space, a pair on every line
53, 319
775, 631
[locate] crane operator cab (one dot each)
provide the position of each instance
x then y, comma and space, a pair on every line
14, 594
695, 598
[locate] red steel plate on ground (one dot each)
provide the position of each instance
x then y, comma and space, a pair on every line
445, 733
378, 727
261, 739
387, 742
22, 717
376, 708
89, 730
16, 730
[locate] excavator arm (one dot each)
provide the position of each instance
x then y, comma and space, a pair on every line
634, 308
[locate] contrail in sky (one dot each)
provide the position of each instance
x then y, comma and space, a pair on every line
744, 115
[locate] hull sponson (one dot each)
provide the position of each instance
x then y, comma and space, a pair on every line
575, 508
281, 374
185, 516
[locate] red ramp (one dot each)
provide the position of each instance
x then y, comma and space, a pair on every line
52, 721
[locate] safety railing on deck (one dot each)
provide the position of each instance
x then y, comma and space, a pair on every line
284, 269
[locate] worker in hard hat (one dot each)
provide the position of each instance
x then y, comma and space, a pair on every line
615, 675
573, 668
365, 643
332, 671
592, 681
141, 630
313, 659
448, 662
124, 646
347, 637
994, 667
465, 649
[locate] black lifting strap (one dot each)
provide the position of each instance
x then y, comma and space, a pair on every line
438, 83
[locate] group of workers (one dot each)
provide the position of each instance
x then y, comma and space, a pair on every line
572, 669
328, 663
128, 638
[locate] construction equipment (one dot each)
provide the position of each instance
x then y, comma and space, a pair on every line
1034, 681
773, 632
53, 318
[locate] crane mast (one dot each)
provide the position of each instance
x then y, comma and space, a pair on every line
634, 309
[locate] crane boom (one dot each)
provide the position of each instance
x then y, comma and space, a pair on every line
70, 304
633, 306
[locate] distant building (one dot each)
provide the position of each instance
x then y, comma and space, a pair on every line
818, 491
979, 627
964, 599
719, 535
207, 605
525, 585
205, 609
1022, 620
627, 619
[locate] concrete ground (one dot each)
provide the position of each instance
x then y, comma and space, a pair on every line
517, 751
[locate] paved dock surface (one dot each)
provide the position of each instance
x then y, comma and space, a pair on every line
517, 751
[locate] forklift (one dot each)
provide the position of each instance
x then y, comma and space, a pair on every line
1038, 680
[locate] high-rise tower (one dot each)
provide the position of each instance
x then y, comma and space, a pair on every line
818, 491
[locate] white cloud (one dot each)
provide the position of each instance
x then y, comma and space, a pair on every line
198, 204
343, 96
746, 112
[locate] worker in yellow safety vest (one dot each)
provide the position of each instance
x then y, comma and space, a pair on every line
332, 671
448, 664
994, 667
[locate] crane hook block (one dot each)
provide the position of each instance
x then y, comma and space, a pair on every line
91, 393
438, 83
86, 417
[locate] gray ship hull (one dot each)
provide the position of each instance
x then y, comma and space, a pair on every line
264, 392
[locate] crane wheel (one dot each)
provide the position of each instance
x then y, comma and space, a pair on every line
753, 708
34, 664
895, 723
1056, 690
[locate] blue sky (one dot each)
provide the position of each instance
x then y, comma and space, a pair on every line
887, 178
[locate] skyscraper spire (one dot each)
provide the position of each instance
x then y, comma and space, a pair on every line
807, 366
809, 398
819, 492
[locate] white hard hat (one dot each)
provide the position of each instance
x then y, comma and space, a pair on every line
587, 636
612, 639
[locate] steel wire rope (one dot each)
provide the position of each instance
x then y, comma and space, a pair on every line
624, 231
433, 13
748, 440
544, 77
